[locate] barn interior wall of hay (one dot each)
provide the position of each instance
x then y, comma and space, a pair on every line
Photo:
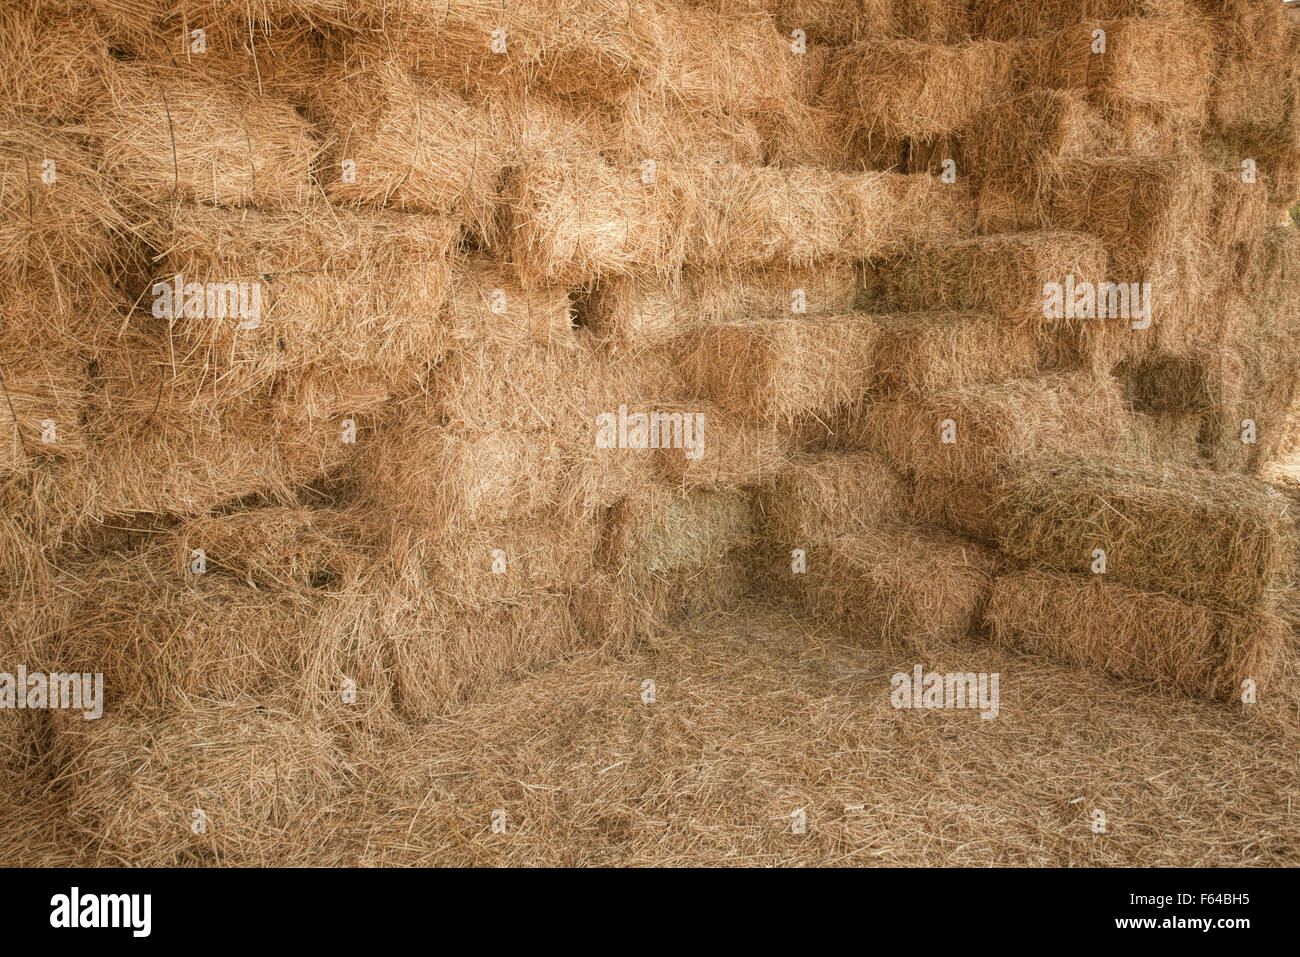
361, 359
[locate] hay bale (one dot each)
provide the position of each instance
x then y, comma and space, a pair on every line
576, 220
412, 145
444, 655
591, 48
996, 20
282, 612
818, 497
775, 370
487, 305
902, 88
528, 387
1164, 63
171, 133
1014, 148
1267, 340
65, 232
1006, 276
728, 61
653, 125
267, 51
800, 216
262, 777
1189, 648
1162, 438
646, 310
170, 437
440, 479
335, 287
487, 565
1253, 89
43, 392
1200, 536
900, 586
54, 63
996, 427
660, 530
924, 351
963, 508
726, 451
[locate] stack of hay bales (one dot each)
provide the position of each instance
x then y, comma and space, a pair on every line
358, 357
996, 445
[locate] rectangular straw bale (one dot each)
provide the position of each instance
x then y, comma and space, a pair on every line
963, 508
268, 52
336, 286
659, 530
646, 309
171, 133
901, 586
1016, 145
1086, 621
491, 564
996, 20
526, 387
270, 546
725, 450
1166, 63
776, 369
653, 125
1162, 438
727, 61
168, 439
439, 479
824, 21
1195, 534
799, 216
54, 63
262, 777
576, 219
933, 350
412, 145
488, 305
444, 655
1254, 44
818, 497
58, 221
903, 88
1006, 276
163, 636
997, 426
44, 393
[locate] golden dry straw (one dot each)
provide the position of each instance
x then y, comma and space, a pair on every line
54, 62
998, 20
393, 140
644, 309
995, 427
901, 88
818, 497
334, 287
261, 777
1004, 275
1164, 63
444, 655
1197, 535
924, 351
728, 451
1084, 621
777, 369
900, 587
171, 133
